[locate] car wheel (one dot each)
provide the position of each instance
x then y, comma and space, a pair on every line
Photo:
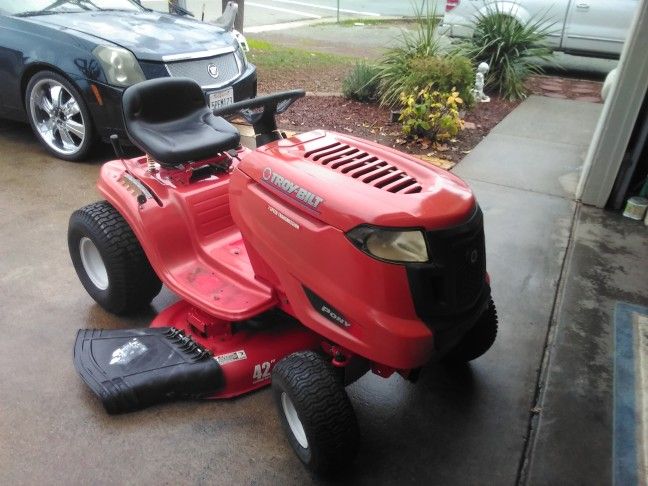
59, 116
109, 260
477, 340
315, 412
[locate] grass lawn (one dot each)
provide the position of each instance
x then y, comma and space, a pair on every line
267, 56
280, 68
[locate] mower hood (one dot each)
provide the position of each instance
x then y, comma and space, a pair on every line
345, 182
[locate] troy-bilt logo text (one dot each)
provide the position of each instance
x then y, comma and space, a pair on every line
292, 189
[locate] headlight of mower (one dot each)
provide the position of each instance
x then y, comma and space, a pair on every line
120, 65
392, 245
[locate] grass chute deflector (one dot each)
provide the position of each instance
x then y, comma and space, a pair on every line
304, 263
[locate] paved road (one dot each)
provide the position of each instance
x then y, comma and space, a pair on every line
267, 12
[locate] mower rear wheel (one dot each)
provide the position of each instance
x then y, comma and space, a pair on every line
478, 340
109, 261
315, 411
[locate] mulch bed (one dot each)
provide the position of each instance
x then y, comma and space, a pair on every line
328, 80
370, 121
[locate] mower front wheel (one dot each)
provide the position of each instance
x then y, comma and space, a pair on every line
316, 412
109, 260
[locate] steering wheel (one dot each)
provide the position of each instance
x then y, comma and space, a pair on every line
274, 104
260, 112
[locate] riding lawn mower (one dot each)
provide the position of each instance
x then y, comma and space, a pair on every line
303, 264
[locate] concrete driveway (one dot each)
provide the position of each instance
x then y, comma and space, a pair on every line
456, 426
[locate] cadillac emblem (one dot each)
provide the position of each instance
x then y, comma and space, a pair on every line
212, 69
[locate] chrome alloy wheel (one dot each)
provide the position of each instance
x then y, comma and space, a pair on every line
57, 116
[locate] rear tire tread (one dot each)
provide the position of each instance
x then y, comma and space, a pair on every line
132, 281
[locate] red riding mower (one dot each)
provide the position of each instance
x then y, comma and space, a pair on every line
306, 263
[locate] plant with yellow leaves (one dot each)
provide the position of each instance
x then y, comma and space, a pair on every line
433, 114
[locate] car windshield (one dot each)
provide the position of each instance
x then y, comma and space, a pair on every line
43, 7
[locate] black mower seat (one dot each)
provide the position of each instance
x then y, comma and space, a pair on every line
169, 119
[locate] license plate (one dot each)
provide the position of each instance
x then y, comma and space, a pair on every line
218, 99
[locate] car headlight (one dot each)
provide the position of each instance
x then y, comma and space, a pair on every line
240, 54
119, 65
393, 245
242, 41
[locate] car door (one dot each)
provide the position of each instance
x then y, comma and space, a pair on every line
550, 15
599, 26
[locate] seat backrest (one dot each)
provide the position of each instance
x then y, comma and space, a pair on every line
168, 119
161, 100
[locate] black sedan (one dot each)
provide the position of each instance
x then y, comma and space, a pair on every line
64, 65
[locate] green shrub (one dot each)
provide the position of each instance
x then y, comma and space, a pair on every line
510, 47
361, 84
432, 114
443, 73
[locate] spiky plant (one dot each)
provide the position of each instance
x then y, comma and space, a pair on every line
361, 83
394, 66
511, 48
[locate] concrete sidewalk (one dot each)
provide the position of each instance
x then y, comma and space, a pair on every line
272, 12
539, 148
530, 164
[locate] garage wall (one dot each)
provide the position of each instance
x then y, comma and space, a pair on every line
619, 116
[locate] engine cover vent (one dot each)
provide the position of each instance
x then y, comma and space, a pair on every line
367, 168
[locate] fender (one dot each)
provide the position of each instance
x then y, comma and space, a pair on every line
554, 24
464, 25
42, 47
512, 9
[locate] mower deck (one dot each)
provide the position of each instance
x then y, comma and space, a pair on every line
130, 369
246, 351
185, 354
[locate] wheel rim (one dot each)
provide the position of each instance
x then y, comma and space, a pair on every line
57, 116
93, 264
292, 418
